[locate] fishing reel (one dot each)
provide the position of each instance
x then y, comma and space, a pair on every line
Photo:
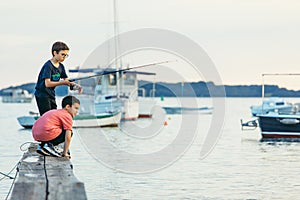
75, 87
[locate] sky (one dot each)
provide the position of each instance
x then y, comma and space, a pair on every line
242, 38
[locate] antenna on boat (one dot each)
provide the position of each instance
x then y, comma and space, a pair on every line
273, 74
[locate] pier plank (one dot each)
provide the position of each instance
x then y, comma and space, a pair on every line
47, 177
62, 180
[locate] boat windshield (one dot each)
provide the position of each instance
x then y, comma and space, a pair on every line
112, 79
129, 79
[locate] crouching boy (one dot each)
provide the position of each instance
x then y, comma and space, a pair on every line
55, 127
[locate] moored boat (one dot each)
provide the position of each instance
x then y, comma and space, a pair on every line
275, 125
278, 120
111, 92
184, 110
80, 121
17, 96
27, 121
103, 120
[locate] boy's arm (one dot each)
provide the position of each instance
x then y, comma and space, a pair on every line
49, 83
68, 137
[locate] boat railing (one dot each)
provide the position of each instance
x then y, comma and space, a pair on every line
152, 93
143, 91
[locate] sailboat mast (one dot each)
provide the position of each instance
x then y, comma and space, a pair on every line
118, 62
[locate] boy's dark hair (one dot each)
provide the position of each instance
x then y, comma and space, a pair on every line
59, 46
69, 100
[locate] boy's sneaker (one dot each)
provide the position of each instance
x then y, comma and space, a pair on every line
41, 151
58, 149
48, 147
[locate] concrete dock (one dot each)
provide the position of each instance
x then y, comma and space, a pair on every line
44, 177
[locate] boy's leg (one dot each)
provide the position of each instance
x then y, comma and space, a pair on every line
45, 104
49, 146
59, 139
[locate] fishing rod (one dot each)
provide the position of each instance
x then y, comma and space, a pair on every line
116, 71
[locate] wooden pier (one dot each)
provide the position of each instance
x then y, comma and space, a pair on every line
46, 178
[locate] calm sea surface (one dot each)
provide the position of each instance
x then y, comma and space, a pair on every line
239, 167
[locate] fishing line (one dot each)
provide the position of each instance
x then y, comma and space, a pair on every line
10, 189
14, 178
8, 174
15, 166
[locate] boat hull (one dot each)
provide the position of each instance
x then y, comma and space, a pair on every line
27, 121
186, 110
279, 126
90, 121
80, 121
145, 107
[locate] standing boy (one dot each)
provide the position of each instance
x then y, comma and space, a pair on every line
51, 75
55, 127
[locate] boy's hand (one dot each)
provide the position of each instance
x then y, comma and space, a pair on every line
78, 87
75, 86
80, 90
66, 155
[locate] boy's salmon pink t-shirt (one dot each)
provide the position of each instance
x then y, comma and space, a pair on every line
51, 124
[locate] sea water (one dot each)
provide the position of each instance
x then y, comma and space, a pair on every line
127, 163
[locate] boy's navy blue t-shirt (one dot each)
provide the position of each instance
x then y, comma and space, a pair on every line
55, 74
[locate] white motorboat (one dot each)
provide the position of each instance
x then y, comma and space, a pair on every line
16, 96
112, 93
108, 97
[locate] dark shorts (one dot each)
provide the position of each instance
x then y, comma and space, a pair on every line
45, 104
59, 139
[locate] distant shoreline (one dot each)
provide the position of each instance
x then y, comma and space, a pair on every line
191, 89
